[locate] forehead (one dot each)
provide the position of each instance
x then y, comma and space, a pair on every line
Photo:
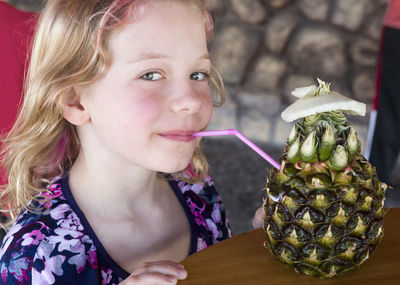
162, 24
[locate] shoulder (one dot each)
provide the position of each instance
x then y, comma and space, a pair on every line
47, 245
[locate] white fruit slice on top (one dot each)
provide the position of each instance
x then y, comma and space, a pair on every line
304, 91
313, 100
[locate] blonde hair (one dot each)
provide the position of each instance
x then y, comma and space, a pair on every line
69, 48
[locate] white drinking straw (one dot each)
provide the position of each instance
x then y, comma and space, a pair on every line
243, 139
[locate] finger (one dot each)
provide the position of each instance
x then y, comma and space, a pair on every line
261, 213
164, 267
162, 262
258, 219
153, 278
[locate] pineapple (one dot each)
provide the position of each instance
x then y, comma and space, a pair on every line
324, 207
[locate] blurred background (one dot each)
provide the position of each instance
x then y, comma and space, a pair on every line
263, 50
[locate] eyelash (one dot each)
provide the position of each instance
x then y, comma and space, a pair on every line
152, 73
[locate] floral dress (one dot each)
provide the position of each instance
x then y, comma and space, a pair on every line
58, 245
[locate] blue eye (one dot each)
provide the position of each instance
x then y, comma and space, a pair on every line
199, 76
152, 76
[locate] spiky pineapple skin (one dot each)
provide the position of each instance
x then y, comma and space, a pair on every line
320, 221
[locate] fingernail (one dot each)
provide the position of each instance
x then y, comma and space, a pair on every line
182, 274
180, 265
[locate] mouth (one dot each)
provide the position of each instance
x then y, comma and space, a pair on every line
179, 135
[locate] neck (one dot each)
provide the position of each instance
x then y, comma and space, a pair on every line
111, 192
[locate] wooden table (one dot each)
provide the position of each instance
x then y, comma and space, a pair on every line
244, 260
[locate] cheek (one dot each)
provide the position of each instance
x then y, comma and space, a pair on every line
141, 111
133, 125
146, 107
125, 115
208, 107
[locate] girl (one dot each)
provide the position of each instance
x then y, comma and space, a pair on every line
106, 182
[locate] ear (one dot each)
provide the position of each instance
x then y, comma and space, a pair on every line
73, 110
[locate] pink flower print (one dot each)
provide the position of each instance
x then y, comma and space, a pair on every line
79, 260
91, 254
4, 272
208, 181
92, 257
67, 239
106, 276
201, 244
32, 238
55, 192
18, 268
216, 214
55, 187
9, 237
196, 188
52, 265
39, 279
212, 227
71, 222
72, 241
183, 186
58, 213
197, 212
48, 204
53, 184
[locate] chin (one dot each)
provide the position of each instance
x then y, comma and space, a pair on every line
174, 169
171, 162
174, 165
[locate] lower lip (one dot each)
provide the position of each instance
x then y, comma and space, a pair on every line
179, 138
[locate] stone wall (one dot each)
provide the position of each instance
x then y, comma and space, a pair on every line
265, 48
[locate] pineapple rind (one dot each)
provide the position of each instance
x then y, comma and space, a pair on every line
320, 219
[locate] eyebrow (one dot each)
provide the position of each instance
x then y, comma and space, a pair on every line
149, 56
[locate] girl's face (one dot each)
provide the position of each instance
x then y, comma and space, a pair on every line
155, 94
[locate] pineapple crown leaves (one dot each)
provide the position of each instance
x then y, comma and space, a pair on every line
307, 91
324, 137
326, 127
325, 146
313, 100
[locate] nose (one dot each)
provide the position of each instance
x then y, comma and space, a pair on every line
187, 99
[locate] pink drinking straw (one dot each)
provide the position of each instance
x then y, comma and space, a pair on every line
243, 139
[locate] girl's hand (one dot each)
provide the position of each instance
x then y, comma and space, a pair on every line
159, 272
258, 219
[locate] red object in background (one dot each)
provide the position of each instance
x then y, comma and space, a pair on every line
16, 30
392, 16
